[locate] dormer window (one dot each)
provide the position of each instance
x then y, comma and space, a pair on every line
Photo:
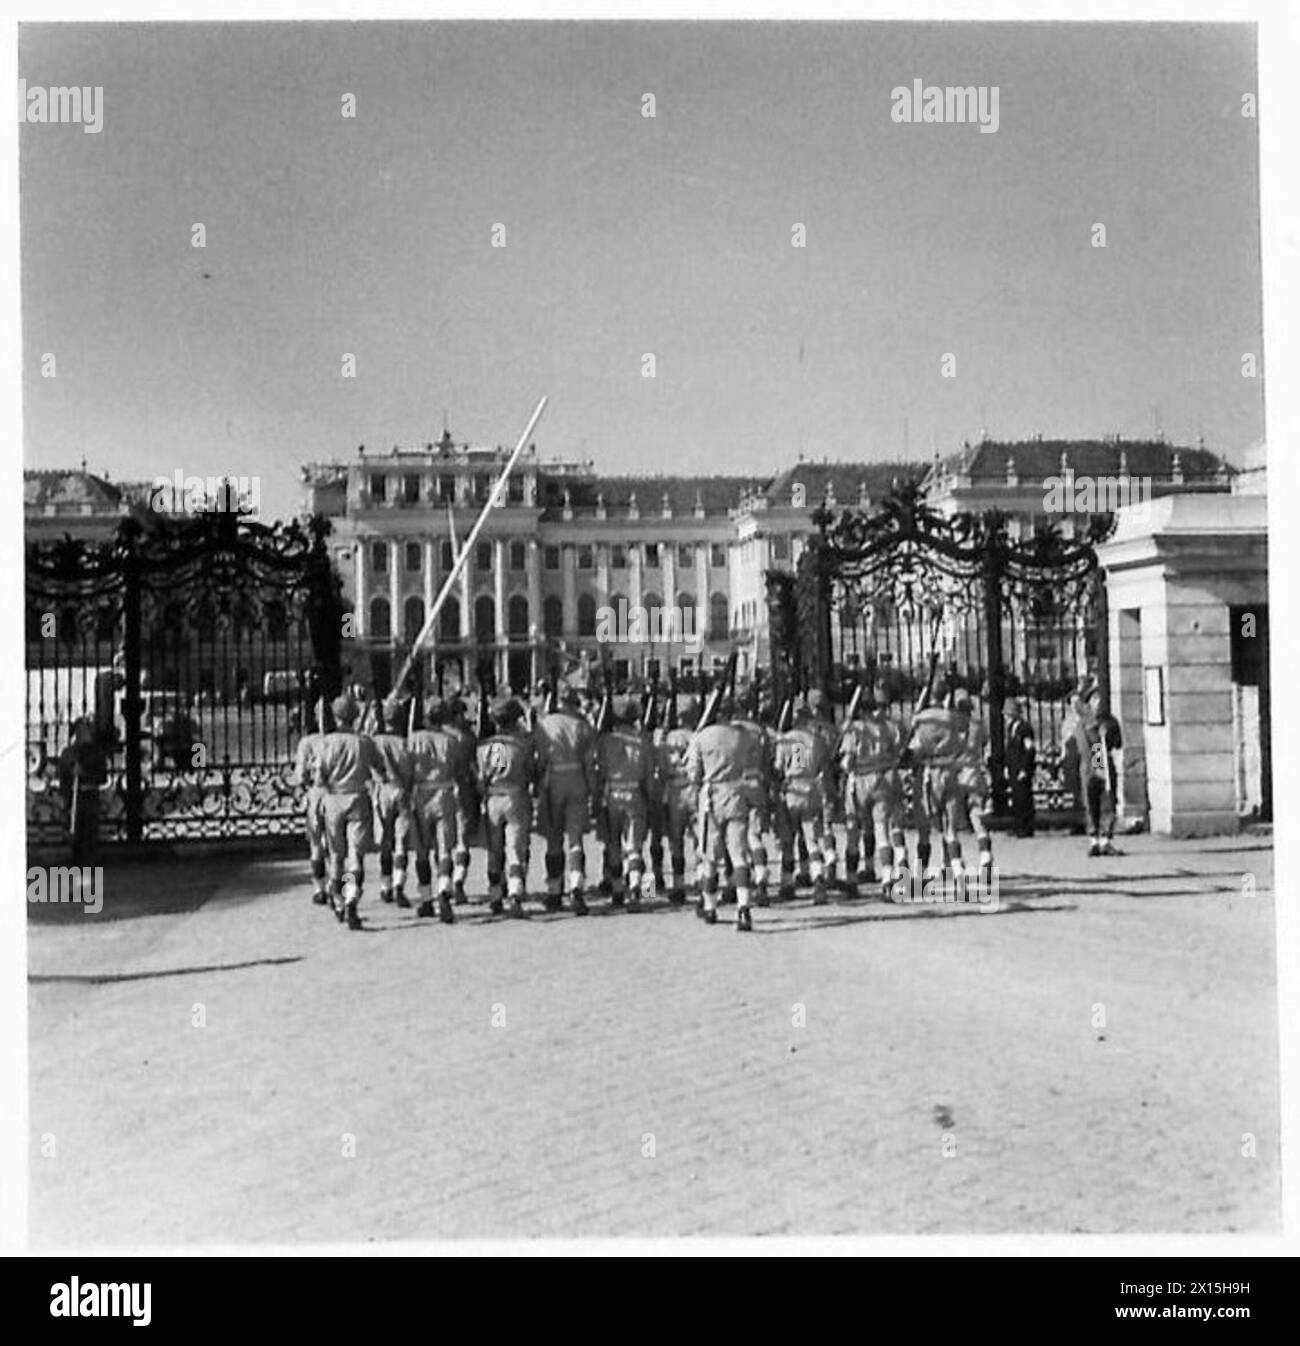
379, 487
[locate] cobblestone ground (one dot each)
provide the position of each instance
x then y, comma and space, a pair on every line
854, 1068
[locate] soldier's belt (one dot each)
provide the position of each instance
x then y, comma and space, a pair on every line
861, 772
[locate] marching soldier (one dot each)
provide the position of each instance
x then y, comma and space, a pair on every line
719, 764
565, 747
868, 759
305, 774
626, 771
970, 790
345, 762
823, 724
436, 766
801, 768
758, 781
391, 796
456, 722
677, 804
505, 773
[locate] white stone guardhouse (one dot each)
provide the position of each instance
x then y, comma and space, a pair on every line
1187, 590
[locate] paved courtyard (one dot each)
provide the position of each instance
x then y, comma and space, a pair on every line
215, 1060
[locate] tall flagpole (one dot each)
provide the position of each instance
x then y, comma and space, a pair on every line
467, 548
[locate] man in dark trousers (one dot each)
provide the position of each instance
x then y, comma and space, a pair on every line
1021, 758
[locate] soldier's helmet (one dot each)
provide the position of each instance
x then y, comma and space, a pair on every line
455, 708
801, 713
506, 712
435, 712
345, 711
570, 696
816, 700
961, 703
688, 711
621, 710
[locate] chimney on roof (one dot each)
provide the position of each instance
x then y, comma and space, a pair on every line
361, 450
699, 505
1123, 462
633, 509
667, 509
864, 500
1012, 478
600, 504
1176, 469
568, 505
830, 493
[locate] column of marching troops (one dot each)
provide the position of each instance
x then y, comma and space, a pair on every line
723, 784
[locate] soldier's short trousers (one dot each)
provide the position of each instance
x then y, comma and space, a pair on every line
864, 789
313, 817
562, 815
434, 821
349, 826
508, 818
392, 820
626, 810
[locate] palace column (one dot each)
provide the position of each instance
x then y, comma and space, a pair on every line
534, 561
499, 602
569, 565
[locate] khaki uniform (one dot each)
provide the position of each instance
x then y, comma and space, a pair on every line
435, 757
505, 772
626, 765
801, 773
873, 797
721, 764
565, 747
758, 780
951, 779
313, 807
391, 798
345, 763
467, 802
676, 804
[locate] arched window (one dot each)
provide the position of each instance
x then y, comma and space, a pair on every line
517, 616
586, 615
449, 620
687, 617
380, 620
413, 613
718, 617
553, 616
654, 611
485, 620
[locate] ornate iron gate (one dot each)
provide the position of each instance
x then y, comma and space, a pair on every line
1020, 611
196, 647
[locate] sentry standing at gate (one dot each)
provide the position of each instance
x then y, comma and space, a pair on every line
345, 763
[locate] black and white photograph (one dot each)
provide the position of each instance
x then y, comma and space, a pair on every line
644, 629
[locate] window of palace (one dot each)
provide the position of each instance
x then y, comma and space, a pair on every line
551, 558
379, 557
379, 486
414, 553
518, 556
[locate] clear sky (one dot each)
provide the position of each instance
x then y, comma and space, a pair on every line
627, 235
